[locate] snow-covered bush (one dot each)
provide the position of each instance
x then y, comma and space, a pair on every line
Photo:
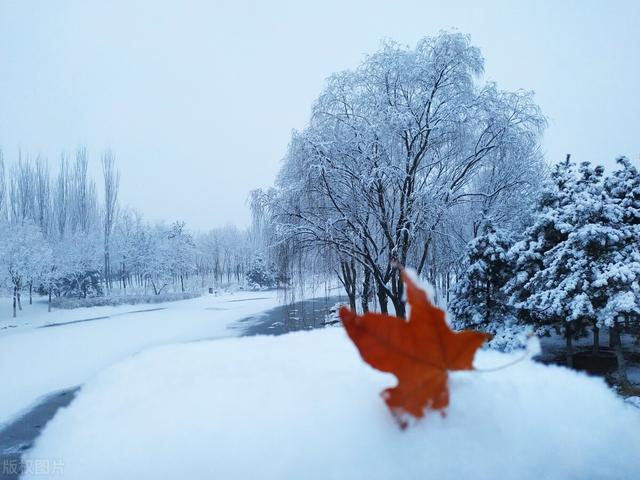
332, 318
78, 265
69, 303
509, 336
260, 274
80, 284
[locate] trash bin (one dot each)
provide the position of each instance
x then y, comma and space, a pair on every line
211, 290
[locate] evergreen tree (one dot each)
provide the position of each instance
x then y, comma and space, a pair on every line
260, 274
623, 187
589, 277
548, 230
552, 225
618, 278
563, 287
479, 300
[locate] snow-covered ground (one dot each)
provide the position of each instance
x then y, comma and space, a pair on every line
305, 405
37, 361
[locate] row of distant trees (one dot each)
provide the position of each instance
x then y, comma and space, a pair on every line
575, 268
59, 238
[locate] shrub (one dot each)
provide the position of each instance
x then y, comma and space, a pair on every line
69, 303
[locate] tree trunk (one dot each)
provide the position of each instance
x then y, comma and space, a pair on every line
448, 285
366, 290
49, 306
352, 301
30, 293
433, 274
19, 301
614, 332
107, 274
400, 307
397, 289
612, 343
348, 279
596, 340
14, 300
569, 339
182, 283
487, 300
382, 299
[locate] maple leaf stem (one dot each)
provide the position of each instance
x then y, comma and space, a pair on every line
531, 350
524, 356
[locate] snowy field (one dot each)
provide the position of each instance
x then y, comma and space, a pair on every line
304, 405
38, 361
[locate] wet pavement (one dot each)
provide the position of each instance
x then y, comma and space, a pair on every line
18, 437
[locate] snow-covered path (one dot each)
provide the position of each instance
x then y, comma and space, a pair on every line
37, 361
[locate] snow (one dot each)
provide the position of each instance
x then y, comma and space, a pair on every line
304, 405
37, 361
36, 315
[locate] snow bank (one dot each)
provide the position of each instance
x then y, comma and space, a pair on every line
305, 406
35, 362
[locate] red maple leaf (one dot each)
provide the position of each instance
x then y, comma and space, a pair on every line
419, 351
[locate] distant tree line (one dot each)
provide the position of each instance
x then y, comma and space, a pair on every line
58, 238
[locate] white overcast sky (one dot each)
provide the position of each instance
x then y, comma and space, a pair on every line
198, 98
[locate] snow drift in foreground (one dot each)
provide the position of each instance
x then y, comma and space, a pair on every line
304, 405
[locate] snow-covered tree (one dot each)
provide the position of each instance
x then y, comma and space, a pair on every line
623, 188
83, 207
551, 226
123, 246
3, 190
111, 178
155, 258
617, 272
223, 254
561, 287
73, 224
479, 300
24, 257
579, 265
261, 274
78, 265
181, 252
392, 149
